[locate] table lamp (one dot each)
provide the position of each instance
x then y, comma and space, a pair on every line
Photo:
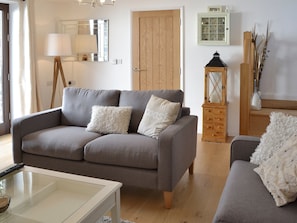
57, 45
84, 45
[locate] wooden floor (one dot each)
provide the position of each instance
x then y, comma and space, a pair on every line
195, 197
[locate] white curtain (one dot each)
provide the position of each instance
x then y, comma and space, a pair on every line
24, 95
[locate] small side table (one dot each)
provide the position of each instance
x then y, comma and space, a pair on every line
214, 123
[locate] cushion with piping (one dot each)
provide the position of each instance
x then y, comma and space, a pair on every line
158, 115
139, 99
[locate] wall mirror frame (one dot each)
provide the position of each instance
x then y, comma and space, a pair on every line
96, 27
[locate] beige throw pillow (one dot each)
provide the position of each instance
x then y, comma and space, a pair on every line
158, 115
279, 130
279, 173
110, 119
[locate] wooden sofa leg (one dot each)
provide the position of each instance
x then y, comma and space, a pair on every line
191, 169
167, 199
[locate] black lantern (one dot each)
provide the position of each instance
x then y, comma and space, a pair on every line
215, 81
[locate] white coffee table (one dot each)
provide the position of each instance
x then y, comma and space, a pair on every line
39, 195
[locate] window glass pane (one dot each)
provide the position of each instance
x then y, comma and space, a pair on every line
1, 68
215, 87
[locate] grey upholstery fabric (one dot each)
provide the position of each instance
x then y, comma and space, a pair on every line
131, 150
55, 139
128, 176
175, 155
139, 99
242, 147
245, 199
65, 142
185, 111
77, 104
31, 123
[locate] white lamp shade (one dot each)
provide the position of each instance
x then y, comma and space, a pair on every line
86, 44
58, 44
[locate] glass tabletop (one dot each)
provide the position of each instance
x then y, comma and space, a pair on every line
38, 197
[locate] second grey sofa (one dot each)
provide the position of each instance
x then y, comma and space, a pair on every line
245, 199
57, 139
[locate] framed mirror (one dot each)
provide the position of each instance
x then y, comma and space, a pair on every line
89, 38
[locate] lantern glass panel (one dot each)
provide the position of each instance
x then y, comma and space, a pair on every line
215, 86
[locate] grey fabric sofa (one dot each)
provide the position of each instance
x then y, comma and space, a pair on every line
245, 199
57, 139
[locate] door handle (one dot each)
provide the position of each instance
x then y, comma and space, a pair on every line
136, 69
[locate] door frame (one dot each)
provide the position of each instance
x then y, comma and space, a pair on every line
5, 127
182, 42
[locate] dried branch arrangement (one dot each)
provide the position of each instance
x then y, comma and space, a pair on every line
260, 53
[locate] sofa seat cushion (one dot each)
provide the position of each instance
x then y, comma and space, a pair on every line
246, 199
66, 142
130, 150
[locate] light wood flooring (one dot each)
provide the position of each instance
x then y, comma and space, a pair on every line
195, 197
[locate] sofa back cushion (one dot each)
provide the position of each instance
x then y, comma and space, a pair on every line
77, 104
139, 99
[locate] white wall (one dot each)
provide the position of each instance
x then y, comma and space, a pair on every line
278, 80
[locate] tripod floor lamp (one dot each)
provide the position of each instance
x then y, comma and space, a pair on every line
58, 45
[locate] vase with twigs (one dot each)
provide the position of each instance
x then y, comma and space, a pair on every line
260, 55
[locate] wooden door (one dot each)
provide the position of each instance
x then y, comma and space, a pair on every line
156, 50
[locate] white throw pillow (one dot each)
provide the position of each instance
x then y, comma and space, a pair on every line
158, 115
110, 119
279, 173
279, 130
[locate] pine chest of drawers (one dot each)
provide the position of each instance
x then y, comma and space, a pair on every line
214, 123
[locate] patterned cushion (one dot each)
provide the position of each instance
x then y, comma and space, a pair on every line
139, 99
158, 115
279, 130
279, 173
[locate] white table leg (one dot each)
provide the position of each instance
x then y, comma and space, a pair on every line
116, 210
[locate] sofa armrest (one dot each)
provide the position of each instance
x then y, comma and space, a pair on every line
177, 151
185, 111
32, 123
242, 147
